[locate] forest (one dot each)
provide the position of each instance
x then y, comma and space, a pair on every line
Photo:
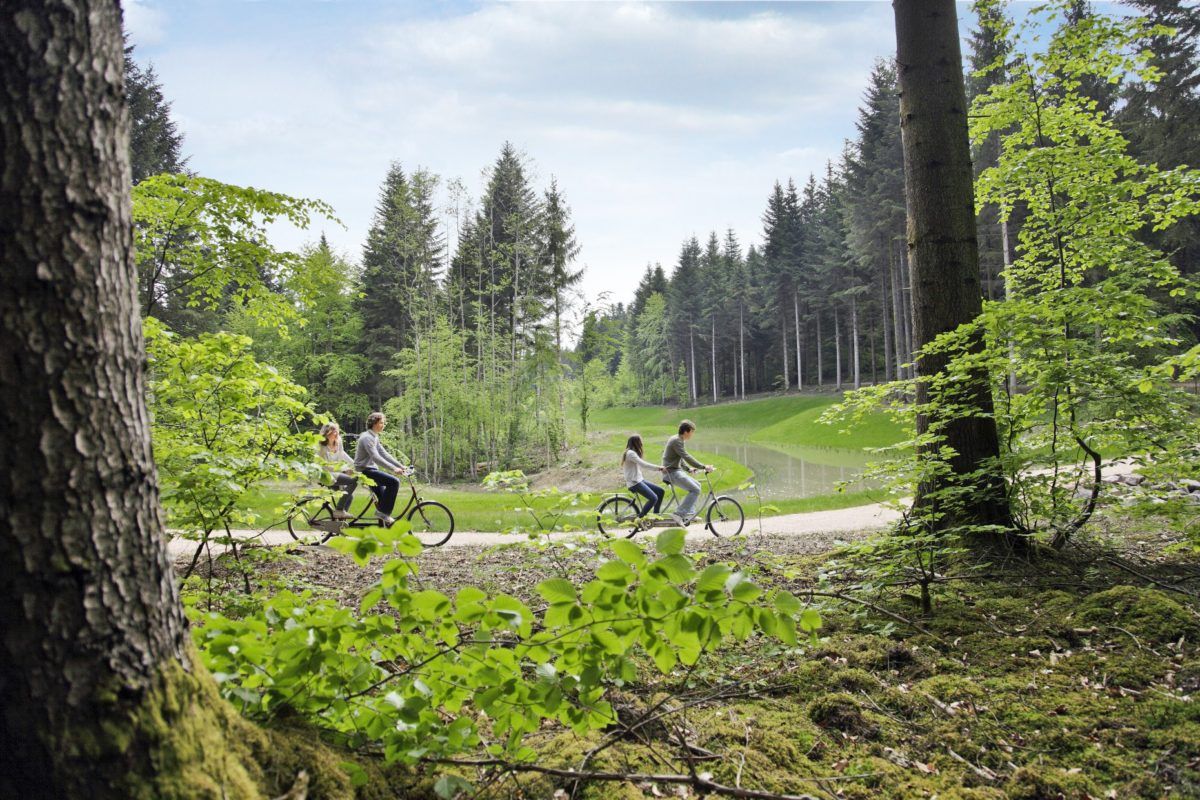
949, 386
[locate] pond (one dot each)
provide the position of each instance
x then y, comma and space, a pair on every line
795, 472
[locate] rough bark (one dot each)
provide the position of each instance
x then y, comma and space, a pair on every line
100, 695
942, 246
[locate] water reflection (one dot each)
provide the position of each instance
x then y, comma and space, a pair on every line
794, 472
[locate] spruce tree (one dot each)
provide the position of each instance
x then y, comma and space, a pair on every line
401, 260
1161, 119
560, 250
155, 143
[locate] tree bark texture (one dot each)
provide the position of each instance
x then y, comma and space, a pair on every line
942, 246
90, 623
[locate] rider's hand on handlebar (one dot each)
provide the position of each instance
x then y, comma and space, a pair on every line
709, 467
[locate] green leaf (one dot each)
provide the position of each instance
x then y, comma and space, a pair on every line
670, 541
358, 775
810, 620
557, 590
785, 602
676, 568
615, 572
450, 786
628, 552
713, 578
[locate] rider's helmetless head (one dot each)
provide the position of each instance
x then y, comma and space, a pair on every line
375, 421
686, 429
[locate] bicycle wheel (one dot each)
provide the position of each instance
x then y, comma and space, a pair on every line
297, 516
615, 514
432, 523
725, 517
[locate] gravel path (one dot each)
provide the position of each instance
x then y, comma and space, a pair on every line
860, 519
828, 527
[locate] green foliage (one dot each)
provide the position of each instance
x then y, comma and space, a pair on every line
202, 244
432, 675
222, 425
322, 354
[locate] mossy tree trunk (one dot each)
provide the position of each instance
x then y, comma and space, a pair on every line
99, 692
942, 249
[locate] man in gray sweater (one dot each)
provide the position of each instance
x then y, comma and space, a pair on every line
674, 457
371, 458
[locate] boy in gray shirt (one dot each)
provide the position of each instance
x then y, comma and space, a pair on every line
674, 457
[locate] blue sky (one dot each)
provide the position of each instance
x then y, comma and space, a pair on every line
659, 120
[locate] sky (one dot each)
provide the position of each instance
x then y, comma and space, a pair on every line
659, 120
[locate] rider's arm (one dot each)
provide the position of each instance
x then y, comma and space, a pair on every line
641, 462
686, 456
385, 457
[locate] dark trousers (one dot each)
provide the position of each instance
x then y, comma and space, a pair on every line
345, 483
385, 489
653, 494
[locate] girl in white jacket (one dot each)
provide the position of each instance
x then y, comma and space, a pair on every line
631, 464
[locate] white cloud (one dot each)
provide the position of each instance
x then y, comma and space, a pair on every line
145, 22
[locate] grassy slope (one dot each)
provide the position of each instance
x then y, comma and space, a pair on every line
787, 422
803, 430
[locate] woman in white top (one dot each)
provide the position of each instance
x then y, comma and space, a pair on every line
631, 464
338, 466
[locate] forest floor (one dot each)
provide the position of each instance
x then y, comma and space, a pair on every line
1076, 676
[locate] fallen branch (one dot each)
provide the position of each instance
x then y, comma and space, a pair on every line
879, 609
982, 772
699, 782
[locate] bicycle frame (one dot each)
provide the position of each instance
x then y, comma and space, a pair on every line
361, 520
674, 500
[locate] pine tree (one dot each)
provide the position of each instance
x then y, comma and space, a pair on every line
155, 143
401, 261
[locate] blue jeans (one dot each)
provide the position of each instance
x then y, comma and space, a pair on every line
682, 480
347, 484
653, 494
385, 489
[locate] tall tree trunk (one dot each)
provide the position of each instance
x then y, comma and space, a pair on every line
944, 253
742, 351
787, 378
101, 695
837, 349
871, 342
692, 370
884, 287
1007, 256
854, 346
899, 309
714, 359
799, 353
820, 364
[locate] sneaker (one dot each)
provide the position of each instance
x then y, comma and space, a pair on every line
678, 520
342, 515
384, 520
